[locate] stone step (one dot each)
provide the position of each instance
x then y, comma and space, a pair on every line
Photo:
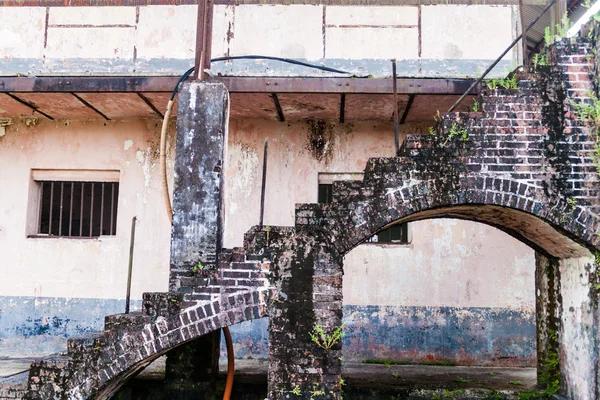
83, 344
125, 321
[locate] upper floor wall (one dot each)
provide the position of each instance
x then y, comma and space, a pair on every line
427, 40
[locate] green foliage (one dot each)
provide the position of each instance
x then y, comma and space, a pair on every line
549, 37
462, 380
475, 106
456, 131
506, 83
198, 267
493, 395
316, 392
451, 394
326, 341
539, 60
296, 391
528, 395
561, 31
587, 4
550, 377
516, 383
590, 113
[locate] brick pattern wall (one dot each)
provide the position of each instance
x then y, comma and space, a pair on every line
525, 151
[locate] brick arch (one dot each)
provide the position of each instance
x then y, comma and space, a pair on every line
97, 366
551, 224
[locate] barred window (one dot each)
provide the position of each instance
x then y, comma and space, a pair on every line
77, 208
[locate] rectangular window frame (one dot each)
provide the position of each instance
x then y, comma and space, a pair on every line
104, 182
396, 235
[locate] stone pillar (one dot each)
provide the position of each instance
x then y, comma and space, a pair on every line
567, 326
309, 296
198, 212
547, 287
578, 348
198, 220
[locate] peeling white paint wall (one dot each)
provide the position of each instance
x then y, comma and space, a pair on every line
448, 263
159, 39
88, 268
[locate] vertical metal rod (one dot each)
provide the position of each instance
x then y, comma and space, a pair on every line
112, 207
200, 40
92, 210
208, 27
102, 209
41, 207
128, 294
71, 210
60, 212
264, 184
523, 33
81, 211
51, 201
396, 122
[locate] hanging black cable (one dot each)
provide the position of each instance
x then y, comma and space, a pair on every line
254, 57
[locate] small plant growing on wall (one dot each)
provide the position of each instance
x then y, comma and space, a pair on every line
326, 341
456, 131
590, 113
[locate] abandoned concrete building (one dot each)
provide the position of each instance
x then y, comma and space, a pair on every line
330, 202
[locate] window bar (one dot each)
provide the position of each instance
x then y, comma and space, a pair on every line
101, 209
71, 210
60, 211
112, 206
41, 207
92, 210
51, 201
81, 211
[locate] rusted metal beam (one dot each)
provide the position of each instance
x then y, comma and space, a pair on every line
92, 84
74, 3
152, 106
100, 84
200, 40
278, 107
411, 98
208, 28
88, 105
345, 85
32, 106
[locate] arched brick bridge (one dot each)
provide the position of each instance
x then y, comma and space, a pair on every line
526, 168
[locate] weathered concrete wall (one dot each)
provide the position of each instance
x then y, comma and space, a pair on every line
58, 287
74, 276
160, 40
460, 291
198, 196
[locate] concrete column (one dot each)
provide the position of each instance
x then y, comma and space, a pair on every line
578, 347
309, 295
547, 286
567, 326
198, 212
198, 220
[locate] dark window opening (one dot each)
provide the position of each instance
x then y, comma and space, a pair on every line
393, 234
325, 193
78, 209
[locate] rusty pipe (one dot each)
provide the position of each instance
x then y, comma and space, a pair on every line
163, 160
230, 364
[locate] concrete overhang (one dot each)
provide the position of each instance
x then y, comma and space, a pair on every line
284, 99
